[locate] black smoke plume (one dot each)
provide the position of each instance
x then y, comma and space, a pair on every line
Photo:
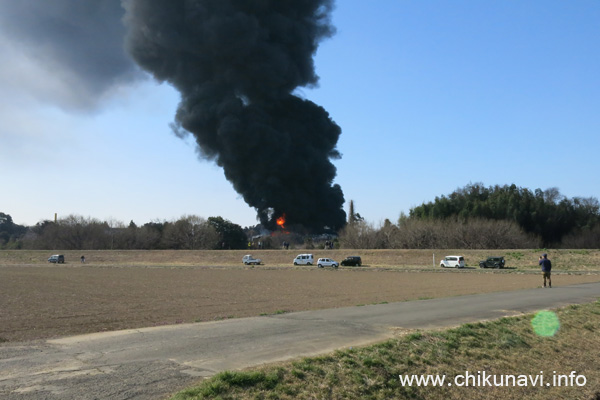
79, 41
236, 64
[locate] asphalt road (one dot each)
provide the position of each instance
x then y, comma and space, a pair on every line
152, 363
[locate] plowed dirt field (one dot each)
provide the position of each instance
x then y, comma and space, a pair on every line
44, 301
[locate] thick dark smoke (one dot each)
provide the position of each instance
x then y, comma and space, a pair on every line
80, 40
236, 64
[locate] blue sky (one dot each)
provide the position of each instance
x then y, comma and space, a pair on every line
430, 95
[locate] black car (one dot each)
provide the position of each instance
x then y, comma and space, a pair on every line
492, 262
352, 261
57, 259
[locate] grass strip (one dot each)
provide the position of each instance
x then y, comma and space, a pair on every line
501, 348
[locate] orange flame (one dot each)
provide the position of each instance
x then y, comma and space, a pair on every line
281, 221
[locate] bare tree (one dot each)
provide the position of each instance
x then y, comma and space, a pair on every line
583, 239
552, 195
190, 232
454, 233
114, 228
149, 235
359, 235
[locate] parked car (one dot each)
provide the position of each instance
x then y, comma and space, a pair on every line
453, 262
248, 259
492, 262
304, 259
352, 261
327, 262
57, 259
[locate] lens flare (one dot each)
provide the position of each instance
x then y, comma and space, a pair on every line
545, 323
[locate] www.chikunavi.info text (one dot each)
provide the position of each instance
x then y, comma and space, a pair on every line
483, 379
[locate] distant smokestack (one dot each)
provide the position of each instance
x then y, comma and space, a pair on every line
55, 217
236, 64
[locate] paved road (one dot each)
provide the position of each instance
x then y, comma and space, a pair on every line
151, 363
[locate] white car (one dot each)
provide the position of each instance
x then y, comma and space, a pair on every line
327, 262
453, 262
303, 259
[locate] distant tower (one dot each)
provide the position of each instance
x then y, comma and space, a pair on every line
351, 219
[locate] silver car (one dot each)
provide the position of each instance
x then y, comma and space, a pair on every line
327, 262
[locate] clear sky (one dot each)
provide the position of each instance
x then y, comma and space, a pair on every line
430, 96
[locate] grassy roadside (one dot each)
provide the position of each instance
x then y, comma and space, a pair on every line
508, 346
563, 260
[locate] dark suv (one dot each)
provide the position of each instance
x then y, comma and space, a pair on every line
57, 259
492, 262
352, 261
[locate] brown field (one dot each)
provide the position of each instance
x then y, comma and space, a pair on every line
133, 289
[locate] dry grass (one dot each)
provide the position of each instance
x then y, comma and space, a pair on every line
504, 347
521, 260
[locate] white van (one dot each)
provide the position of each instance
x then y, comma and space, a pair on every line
453, 262
304, 259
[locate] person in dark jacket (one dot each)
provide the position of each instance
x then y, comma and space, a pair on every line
546, 268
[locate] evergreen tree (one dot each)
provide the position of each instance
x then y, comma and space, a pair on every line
547, 214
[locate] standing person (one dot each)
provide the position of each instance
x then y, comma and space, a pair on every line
546, 268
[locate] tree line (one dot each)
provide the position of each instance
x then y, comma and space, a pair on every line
547, 215
452, 233
479, 217
473, 217
74, 232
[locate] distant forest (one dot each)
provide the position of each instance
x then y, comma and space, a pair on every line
479, 217
74, 232
546, 214
473, 217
